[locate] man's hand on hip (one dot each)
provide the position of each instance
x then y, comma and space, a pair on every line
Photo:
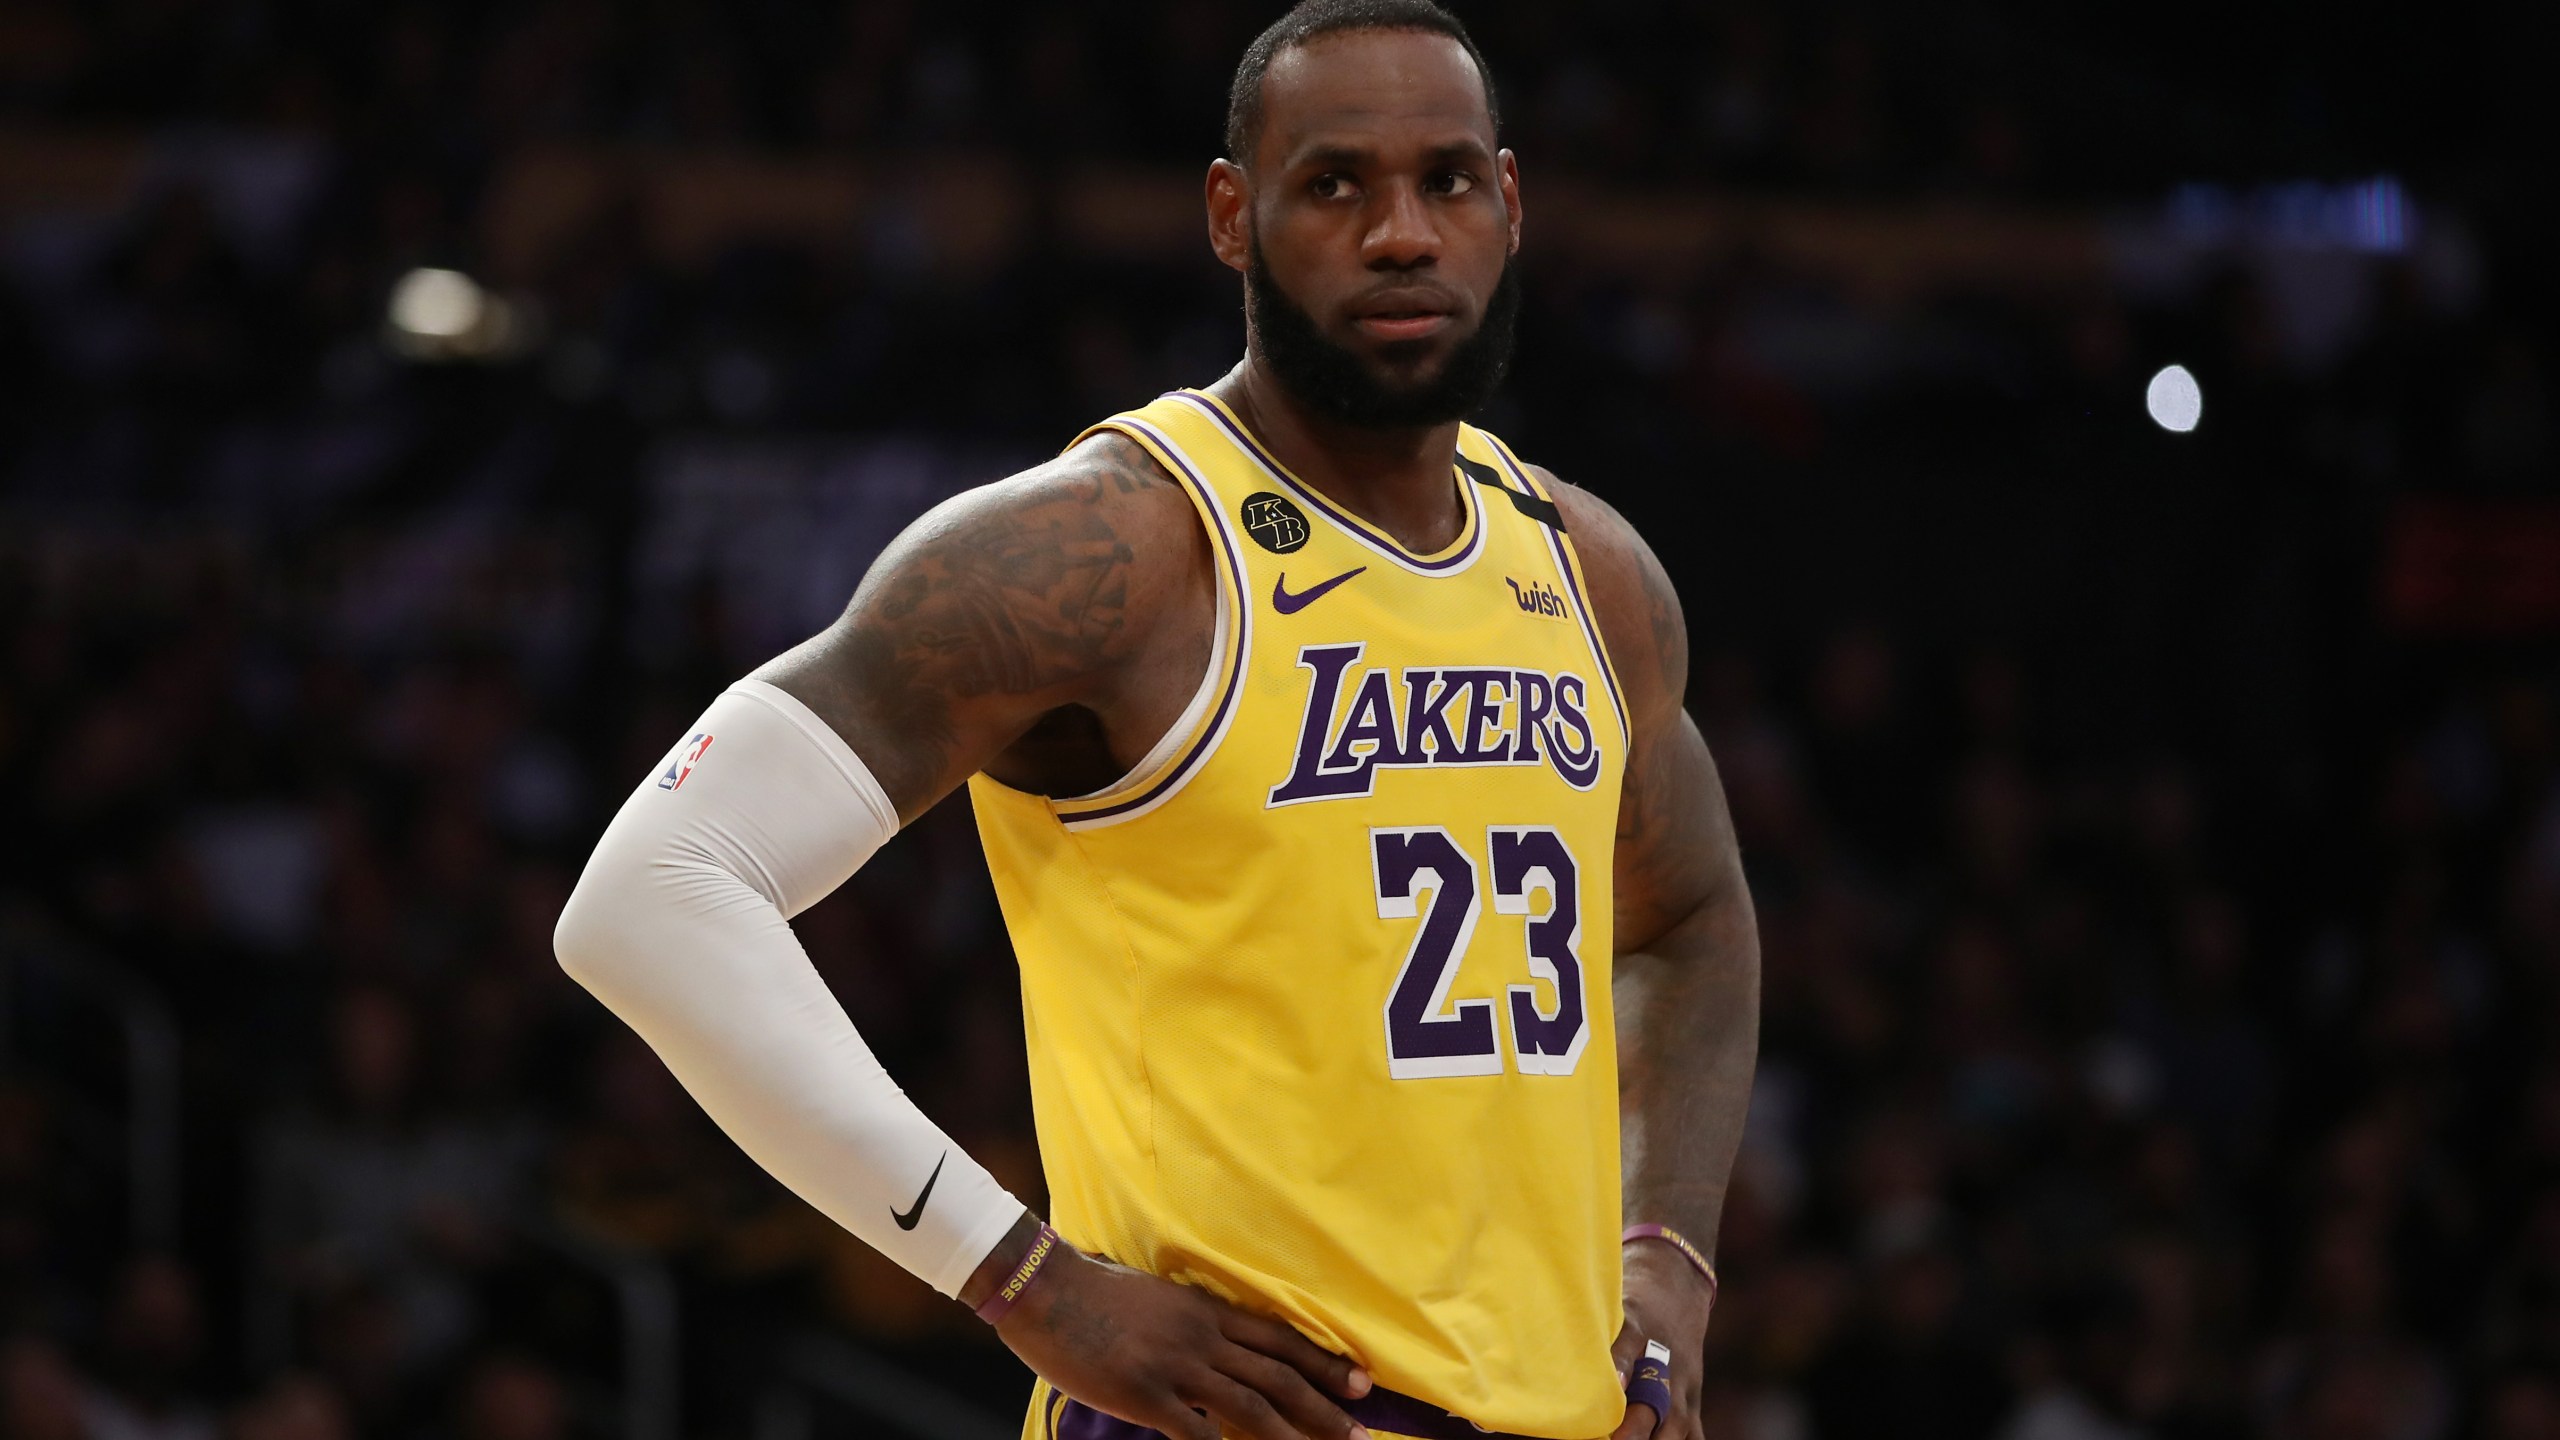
1176, 1358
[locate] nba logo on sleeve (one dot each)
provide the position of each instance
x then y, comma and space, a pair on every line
686, 759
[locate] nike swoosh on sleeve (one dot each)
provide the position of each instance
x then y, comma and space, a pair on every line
915, 1213
1288, 604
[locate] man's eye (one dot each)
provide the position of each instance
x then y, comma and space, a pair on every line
1454, 182
1330, 187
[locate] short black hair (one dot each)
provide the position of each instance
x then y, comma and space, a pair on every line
1310, 19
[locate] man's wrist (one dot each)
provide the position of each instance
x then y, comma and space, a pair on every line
1664, 1254
1002, 1261
1680, 1244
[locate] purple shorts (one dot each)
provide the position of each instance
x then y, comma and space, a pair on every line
1382, 1410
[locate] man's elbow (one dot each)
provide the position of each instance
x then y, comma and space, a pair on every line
642, 904
603, 923
582, 941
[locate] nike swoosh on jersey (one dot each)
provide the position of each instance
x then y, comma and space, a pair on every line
908, 1220
1288, 604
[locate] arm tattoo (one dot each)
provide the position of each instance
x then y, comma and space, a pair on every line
1003, 609
1118, 459
1002, 605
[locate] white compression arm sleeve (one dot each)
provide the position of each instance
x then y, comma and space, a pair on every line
680, 926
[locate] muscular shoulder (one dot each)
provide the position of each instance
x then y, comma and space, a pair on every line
1631, 597
1107, 483
1000, 605
1041, 578
1072, 551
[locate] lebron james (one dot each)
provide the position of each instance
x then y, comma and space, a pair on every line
1390, 982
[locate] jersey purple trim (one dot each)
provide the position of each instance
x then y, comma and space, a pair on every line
1217, 726
1581, 607
1366, 534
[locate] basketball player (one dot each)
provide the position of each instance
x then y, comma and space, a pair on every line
1390, 980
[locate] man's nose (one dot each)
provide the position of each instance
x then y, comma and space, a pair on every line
1401, 234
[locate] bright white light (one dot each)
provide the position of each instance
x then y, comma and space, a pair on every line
437, 304
2175, 400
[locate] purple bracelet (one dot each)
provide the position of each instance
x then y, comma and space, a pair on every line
1679, 1242
1001, 1303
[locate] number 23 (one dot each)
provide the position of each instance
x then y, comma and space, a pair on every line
1426, 1036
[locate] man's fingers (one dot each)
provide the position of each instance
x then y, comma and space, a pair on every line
1624, 1350
1332, 1373
1640, 1424
1243, 1409
1290, 1392
1183, 1423
1641, 1421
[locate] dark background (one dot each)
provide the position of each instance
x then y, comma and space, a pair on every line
2157, 836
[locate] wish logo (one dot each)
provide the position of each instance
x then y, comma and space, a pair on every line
1432, 716
1538, 598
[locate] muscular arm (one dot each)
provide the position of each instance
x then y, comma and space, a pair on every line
1687, 981
1004, 608
1047, 630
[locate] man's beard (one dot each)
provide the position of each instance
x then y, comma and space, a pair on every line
1338, 384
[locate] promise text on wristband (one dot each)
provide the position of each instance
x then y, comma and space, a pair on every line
1001, 1303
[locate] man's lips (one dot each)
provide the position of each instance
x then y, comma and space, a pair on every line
1411, 314
1414, 326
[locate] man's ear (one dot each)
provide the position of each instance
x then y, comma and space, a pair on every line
1230, 196
1510, 167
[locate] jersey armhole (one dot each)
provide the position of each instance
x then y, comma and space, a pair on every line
1180, 751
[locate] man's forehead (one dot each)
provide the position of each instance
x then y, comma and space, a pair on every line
1363, 89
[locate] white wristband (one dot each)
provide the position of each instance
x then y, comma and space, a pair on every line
679, 926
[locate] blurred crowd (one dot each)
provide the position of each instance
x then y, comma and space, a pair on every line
1850, 97
2162, 943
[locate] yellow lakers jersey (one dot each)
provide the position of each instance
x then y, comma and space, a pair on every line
1318, 997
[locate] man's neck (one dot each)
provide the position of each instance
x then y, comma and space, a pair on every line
1398, 480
